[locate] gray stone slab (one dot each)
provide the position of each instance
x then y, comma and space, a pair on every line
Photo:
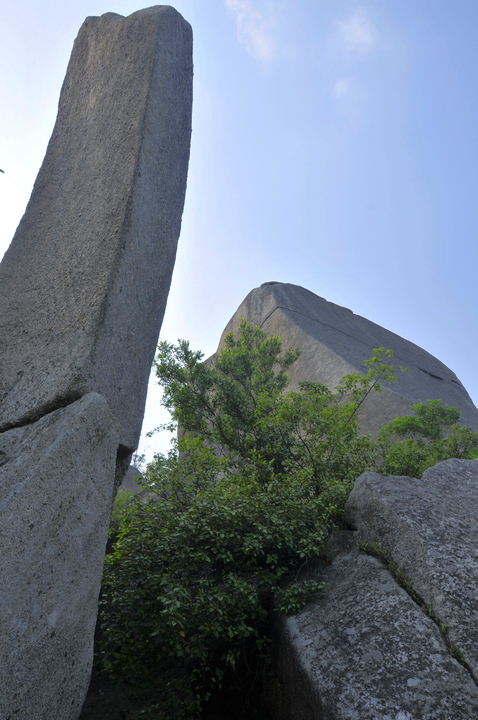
56, 491
363, 650
335, 342
83, 285
430, 526
129, 481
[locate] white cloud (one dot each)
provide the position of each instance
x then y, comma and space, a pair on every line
253, 30
357, 34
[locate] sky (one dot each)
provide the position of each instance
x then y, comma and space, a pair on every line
334, 146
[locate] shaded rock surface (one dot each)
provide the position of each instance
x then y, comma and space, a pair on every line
84, 283
335, 342
364, 650
430, 527
57, 490
130, 481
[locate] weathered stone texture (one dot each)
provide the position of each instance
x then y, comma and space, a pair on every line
363, 650
430, 526
335, 342
84, 283
55, 507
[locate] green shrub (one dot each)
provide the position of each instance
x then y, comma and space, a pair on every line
121, 502
243, 504
411, 444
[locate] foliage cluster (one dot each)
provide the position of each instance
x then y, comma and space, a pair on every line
243, 503
409, 445
122, 500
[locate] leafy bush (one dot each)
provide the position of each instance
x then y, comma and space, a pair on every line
409, 445
242, 504
238, 406
121, 502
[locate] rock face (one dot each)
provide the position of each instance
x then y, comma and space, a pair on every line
84, 283
363, 649
430, 526
57, 488
336, 342
83, 289
129, 481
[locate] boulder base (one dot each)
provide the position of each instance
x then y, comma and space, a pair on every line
430, 527
363, 650
56, 497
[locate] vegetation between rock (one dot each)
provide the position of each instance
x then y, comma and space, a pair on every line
404, 580
241, 505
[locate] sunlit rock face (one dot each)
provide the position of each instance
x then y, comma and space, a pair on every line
335, 342
430, 527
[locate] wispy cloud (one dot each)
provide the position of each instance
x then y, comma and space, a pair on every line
357, 34
343, 87
354, 39
253, 29
351, 99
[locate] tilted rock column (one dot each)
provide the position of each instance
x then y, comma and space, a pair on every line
83, 289
83, 285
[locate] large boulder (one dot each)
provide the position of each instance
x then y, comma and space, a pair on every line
364, 650
335, 342
57, 491
430, 528
84, 283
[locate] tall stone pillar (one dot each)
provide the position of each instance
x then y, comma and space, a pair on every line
83, 288
84, 283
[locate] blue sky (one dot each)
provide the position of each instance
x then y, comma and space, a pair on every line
334, 146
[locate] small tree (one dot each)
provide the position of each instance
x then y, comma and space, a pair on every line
409, 445
238, 405
243, 503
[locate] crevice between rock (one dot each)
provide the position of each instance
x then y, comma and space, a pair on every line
123, 455
332, 327
36, 415
396, 572
427, 372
